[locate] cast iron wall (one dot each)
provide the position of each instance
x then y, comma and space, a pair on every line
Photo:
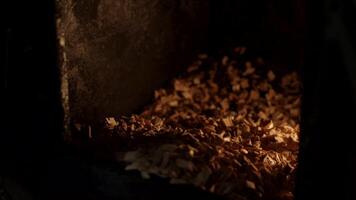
116, 52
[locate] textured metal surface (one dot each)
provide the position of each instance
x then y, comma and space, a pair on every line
116, 52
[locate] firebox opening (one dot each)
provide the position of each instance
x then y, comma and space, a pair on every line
204, 93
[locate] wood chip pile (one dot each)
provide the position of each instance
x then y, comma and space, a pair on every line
229, 126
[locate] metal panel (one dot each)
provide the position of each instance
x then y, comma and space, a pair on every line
116, 52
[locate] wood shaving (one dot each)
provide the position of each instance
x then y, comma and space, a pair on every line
227, 128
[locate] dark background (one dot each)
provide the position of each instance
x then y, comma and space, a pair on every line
35, 163
328, 155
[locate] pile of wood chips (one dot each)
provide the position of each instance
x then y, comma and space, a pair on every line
229, 126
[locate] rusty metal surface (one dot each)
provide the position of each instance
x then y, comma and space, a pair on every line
116, 52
